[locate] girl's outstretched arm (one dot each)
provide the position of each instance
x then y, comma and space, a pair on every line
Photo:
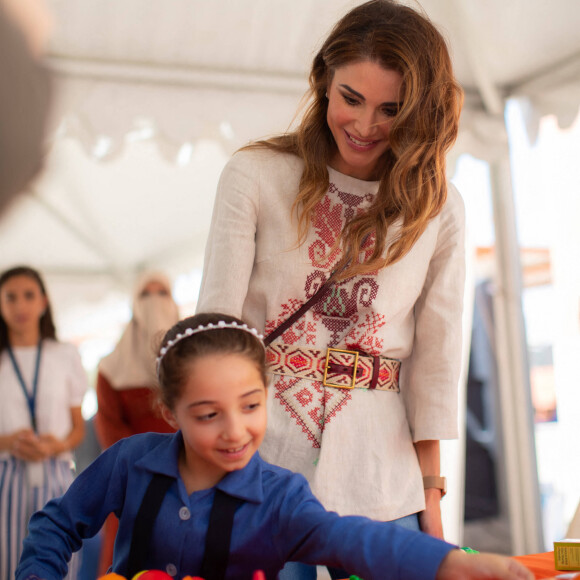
458, 565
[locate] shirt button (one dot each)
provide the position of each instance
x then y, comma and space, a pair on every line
184, 513
171, 569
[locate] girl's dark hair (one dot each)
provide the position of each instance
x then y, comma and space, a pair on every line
413, 186
175, 364
47, 329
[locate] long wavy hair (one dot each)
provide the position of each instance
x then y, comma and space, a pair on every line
46, 323
412, 185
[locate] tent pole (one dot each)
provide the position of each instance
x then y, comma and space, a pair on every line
523, 496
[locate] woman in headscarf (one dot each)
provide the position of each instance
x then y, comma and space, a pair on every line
126, 400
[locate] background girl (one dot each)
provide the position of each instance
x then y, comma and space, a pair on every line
42, 384
358, 189
213, 387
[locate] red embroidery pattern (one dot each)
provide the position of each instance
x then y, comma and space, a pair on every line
327, 221
362, 335
337, 310
367, 248
311, 405
346, 298
351, 201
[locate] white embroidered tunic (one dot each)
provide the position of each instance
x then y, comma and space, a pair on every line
354, 446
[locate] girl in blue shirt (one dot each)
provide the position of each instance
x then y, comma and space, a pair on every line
212, 378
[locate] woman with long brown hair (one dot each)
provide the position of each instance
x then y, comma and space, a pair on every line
355, 201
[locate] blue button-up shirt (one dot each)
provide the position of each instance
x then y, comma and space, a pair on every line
279, 520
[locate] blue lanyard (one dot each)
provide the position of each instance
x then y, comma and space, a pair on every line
30, 397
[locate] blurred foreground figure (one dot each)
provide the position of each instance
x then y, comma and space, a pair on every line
24, 94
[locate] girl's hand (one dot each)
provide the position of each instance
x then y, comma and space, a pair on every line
25, 446
50, 445
28, 446
430, 519
458, 565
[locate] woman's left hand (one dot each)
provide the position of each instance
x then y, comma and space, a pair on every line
430, 519
428, 455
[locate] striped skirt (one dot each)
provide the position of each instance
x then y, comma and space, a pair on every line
19, 500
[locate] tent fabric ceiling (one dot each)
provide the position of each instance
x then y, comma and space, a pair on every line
513, 41
194, 80
195, 67
502, 45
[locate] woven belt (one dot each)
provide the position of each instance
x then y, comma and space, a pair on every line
334, 367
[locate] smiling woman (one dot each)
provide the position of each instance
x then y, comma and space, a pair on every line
362, 101
355, 201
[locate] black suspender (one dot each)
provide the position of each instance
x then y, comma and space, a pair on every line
219, 533
143, 526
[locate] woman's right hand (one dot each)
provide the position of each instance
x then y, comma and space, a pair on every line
458, 565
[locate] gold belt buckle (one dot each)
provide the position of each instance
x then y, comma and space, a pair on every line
354, 368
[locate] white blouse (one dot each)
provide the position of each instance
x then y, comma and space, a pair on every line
354, 446
62, 383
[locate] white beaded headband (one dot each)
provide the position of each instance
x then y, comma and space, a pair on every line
201, 328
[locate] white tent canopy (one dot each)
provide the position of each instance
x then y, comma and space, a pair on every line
153, 97
192, 80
